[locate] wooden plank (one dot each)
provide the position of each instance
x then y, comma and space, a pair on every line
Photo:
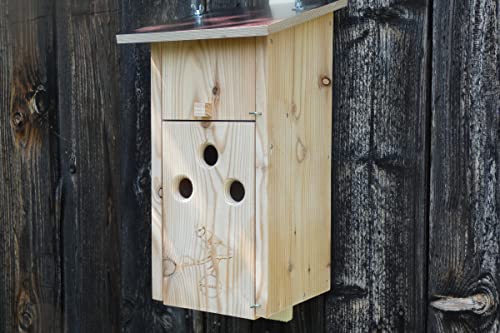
379, 168
89, 115
464, 234
30, 201
208, 240
279, 18
293, 165
220, 72
156, 172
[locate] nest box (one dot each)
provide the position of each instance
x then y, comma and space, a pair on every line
241, 122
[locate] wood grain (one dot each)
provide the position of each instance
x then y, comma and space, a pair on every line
156, 172
209, 241
379, 168
30, 199
220, 72
90, 162
464, 244
293, 165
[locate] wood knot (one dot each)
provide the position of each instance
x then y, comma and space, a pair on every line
326, 81
215, 90
295, 111
169, 267
19, 121
301, 151
25, 312
26, 320
28, 110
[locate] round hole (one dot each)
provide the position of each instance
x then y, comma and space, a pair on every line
185, 188
235, 191
210, 155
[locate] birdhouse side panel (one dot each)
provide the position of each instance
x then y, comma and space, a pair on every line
293, 165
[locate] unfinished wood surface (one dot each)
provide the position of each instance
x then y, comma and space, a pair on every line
220, 72
156, 172
293, 165
379, 168
277, 18
208, 239
283, 316
464, 235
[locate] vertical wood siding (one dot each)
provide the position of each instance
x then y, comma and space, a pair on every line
464, 256
30, 203
75, 163
380, 186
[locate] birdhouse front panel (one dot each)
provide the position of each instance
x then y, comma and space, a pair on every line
209, 216
218, 74
241, 160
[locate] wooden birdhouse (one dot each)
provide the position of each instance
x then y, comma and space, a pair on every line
241, 159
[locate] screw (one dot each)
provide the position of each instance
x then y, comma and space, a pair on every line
197, 10
299, 6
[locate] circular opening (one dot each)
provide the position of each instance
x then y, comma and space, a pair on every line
235, 191
185, 188
210, 155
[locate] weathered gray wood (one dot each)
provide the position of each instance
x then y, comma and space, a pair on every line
89, 117
30, 274
464, 258
379, 169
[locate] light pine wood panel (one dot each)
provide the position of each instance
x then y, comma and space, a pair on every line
208, 242
156, 171
293, 163
220, 72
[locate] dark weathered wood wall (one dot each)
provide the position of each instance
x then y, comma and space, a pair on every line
464, 235
416, 178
